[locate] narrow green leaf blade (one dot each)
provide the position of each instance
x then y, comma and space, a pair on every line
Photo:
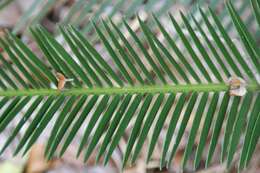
194, 128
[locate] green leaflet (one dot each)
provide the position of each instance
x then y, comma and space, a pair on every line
249, 131
205, 129
78, 123
146, 126
114, 122
183, 125
217, 127
194, 128
238, 127
171, 128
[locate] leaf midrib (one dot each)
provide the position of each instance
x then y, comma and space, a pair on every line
127, 90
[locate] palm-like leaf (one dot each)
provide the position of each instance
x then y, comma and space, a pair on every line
184, 83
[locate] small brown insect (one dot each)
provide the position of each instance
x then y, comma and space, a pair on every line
237, 86
61, 81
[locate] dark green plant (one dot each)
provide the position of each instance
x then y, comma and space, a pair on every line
187, 79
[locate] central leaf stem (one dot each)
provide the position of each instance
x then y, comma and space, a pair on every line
127, 90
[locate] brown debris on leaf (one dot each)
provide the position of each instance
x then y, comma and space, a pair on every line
237, 86
62, 81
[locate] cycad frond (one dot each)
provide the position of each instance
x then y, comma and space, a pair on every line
183, 83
